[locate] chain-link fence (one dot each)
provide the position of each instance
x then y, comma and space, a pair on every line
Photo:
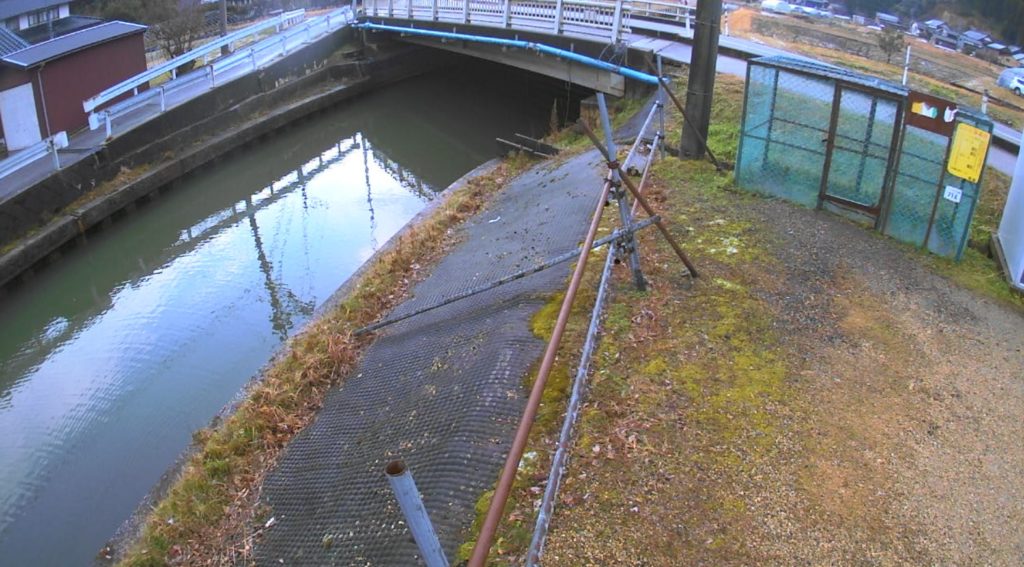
828, 138
922, 210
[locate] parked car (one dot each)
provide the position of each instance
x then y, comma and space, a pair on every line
1017, 85
776, 6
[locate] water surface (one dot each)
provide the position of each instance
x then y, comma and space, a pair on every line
112, 357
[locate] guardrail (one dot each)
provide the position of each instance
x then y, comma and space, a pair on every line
171, 66
34, 152
608, 20
251, 58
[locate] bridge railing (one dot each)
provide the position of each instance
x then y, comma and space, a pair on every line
604, 20
607, 20
187, 86
678, 12
171, 66
21, 158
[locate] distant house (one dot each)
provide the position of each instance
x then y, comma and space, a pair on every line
888, 20
951, 41
18, 15
935, 27
973, 40
42, 86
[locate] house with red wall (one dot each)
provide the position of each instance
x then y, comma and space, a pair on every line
42, 86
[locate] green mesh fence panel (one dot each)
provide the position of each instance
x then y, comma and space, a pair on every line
919, 189
786, 124
860, 155
786, 119
952, 226
917, 181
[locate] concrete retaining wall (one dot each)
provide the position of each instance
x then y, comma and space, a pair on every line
288, 91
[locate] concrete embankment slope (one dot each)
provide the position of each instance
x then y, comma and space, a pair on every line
443, 390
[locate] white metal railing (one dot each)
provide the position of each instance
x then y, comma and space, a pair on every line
23, 157
133, 84
608, 20
239, 63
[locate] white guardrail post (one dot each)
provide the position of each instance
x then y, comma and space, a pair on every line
617, 21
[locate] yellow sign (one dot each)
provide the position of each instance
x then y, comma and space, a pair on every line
967, 156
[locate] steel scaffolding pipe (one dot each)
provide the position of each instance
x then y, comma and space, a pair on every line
515, 453
415, 513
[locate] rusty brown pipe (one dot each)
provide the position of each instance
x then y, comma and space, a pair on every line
614, 164
515, 453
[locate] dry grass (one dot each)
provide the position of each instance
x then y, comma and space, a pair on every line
209, 516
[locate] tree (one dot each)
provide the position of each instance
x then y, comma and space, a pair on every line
890, 41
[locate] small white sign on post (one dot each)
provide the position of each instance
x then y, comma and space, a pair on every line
952, 194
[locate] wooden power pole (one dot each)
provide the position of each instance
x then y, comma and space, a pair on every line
703, 65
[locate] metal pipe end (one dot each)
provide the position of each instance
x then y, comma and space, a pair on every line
395, 468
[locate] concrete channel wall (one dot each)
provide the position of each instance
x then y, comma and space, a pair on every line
240, 112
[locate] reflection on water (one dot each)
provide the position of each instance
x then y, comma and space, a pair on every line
111, 358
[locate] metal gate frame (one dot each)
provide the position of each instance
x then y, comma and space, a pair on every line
895, 145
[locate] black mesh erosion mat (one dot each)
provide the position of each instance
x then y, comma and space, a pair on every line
443, 390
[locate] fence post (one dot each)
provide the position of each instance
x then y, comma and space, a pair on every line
433, 10
163, 99
559, 7
465, 11
617, 21
391, 8
906, 66
209, 73
106, 120
53, 148
507, 15
174, 73
408, 9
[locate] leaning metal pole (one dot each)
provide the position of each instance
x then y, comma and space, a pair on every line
629, 245
409, 501
515, 453
613, 164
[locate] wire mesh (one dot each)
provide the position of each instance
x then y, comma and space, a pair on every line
792, 138
784, 129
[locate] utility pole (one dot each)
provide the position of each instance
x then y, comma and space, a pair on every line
224, 49
703, 65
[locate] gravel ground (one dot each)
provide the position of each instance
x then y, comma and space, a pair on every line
926, 391
895, 437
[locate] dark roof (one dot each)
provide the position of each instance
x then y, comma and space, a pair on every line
57, 28
9, 8
57, 48
9, 42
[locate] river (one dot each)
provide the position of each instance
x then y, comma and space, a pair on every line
111, 357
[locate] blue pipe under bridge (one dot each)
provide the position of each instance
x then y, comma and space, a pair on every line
527, 45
